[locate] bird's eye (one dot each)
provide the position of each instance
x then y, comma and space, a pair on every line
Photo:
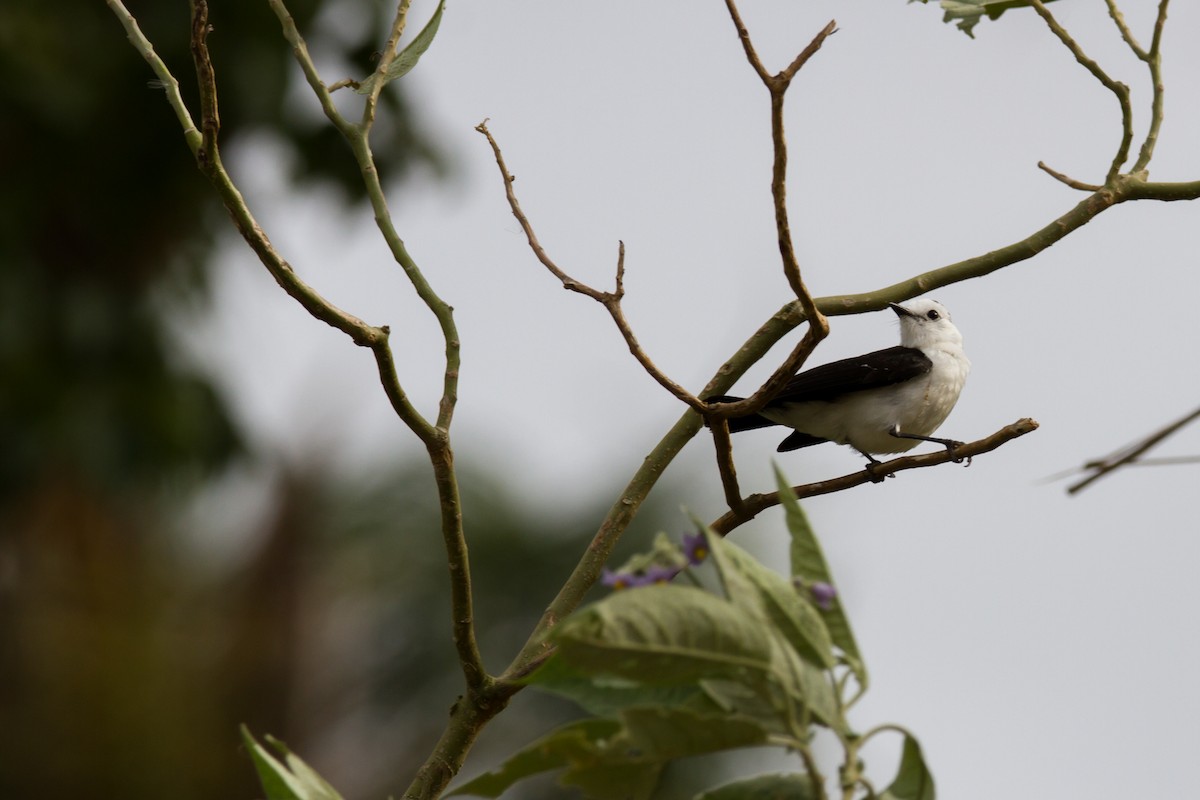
933, 314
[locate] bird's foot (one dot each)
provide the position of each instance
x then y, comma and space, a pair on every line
951, 446
876, 472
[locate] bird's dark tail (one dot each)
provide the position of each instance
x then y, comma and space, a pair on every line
747, 423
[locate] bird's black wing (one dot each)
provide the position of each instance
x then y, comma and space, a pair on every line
871, 371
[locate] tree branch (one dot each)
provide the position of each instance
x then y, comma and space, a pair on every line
436, 437
389, 55
1069, 181
1130, 454
725, 465
610, 300
756, 503
777, 86
1116, 87
1153, 59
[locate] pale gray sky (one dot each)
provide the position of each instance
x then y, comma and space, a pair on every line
1039, 645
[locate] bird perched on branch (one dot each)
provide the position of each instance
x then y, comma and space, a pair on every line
882, 402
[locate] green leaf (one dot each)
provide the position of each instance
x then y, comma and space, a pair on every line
581, 744
611, 760
968, 14
295, 781
809, 565
802, 681
627, 781
407, 58
782, 786
913, 779
664, 734
768, 595
606, 695
665, 634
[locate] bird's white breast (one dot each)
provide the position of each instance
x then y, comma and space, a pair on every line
864, 419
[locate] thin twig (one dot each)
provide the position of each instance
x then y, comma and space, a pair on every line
725, 465
206, 78
756, 503
300, 49
436, 436
1069, 181
1123, 27
1130, 453
1153, 59
389, 55
777, 85
610, 300
1116, 87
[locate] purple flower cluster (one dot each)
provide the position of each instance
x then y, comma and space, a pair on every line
695, 549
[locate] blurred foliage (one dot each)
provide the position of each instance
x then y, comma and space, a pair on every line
101, 205
123, 669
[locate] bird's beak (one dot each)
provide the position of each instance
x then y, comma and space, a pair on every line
900, 310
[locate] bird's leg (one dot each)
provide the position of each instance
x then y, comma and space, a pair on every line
872, 463
949, 444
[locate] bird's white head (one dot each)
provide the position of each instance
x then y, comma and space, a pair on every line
925, 324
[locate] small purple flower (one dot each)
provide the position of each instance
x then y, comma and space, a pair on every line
823, 594
695, 547
617, 580
657, 574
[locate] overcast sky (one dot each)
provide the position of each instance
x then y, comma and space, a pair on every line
1039, 645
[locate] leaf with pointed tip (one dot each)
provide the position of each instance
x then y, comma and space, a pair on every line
913, 779
781, 786
295, 781
407, 58
768, 595
809, 565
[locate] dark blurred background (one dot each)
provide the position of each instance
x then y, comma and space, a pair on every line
127, 657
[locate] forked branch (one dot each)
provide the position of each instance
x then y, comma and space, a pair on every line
610, 300
1120, 90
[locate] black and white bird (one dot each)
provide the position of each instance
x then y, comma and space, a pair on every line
887, 401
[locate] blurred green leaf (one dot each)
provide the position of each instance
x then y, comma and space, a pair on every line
626, 781
809, 565
580, 743
615, 760
668, 733
295, 781
782, 786
913, 779
409, 56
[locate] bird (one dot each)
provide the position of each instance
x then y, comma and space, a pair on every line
888, 401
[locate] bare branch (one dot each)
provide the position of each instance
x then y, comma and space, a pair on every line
1069, 181
610, 300
725, 465
1130, 454
777, 86
1153, 59
1116, 87
756, 503
1123, 27
385, 60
